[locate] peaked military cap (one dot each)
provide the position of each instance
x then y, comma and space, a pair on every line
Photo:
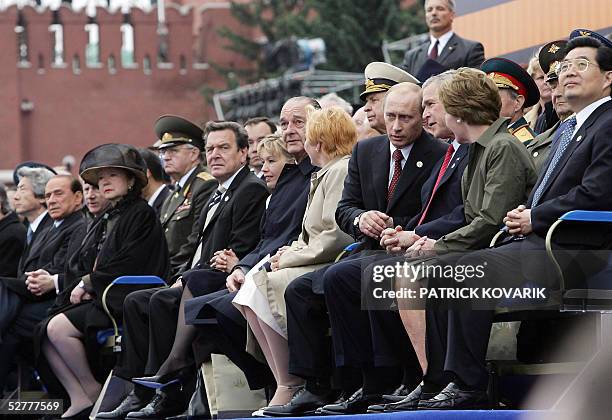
381, 76
509, 75
172, 130
585, 32
549, 57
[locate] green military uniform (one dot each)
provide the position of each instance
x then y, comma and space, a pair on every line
521, 130
539, 148
180, 211
498, 178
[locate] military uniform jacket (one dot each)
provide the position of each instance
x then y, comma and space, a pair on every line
521, 130
498, 178
180, 212
539, 148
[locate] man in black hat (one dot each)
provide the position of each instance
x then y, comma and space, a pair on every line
518, 91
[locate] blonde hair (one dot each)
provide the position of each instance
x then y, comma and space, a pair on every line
534, 65
333, 128
274, 145
471, 96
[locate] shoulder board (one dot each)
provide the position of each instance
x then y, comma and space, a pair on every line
205, 176
523, 134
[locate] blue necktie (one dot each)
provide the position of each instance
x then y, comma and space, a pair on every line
29, 235
567, 129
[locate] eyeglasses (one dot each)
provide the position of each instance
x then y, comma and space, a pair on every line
581, 64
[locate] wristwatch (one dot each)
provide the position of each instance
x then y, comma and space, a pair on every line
356, 220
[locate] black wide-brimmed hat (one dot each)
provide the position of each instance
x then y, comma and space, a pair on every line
113, 155
172, 130
509, 75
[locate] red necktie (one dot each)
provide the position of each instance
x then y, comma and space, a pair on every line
397, 171
447, 158
433, 54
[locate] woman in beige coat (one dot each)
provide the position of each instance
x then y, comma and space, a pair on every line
330, 136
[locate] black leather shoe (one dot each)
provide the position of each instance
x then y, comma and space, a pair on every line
454, 398
303, 403
164, 404
129, 404
357, 403
410, 401
341, 399
399, 394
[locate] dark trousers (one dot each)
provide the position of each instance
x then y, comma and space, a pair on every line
18, 336
149, 327
223, 331
308, 327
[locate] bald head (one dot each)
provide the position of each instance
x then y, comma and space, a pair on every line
403, 114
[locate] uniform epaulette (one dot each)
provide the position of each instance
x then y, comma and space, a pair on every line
523, 134
205, 176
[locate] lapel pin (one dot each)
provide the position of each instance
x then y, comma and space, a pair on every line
579, 138
226, 198
419, 164
452, 166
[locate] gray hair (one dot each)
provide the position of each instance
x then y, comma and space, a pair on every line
38, 178
439, 78
5, 206
450, 3
332, 99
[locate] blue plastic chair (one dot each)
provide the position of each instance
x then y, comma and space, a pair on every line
110, 337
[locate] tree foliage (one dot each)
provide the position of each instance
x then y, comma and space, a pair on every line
353, 30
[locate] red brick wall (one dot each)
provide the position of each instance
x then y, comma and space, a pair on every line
74, 112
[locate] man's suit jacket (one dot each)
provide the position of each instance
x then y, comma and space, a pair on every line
235, 223
458, 52
180, 212
446, 212
539, 148
160, 199
366, 184
580, 181
12, 243
50, 250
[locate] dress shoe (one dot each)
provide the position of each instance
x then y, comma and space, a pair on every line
399, 394
341, 398
164, 404
410, 401
303, 403
130, 403
454, 398
160, 381
357, 403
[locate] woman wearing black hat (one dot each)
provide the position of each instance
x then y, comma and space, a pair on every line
127, 240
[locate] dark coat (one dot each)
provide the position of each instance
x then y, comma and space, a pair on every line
12, 243
160, 199
235, 223
133, 245
446, 212
366, 184
580, 181
282, 220
180, 212
458, 52
49, 251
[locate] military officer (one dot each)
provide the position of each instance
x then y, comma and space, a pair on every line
518, 91
549, 57
379, 79
180, 147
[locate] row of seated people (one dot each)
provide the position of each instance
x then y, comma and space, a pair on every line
407, 193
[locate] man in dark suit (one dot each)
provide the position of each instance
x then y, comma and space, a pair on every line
444, 46
230, 220
41, 268
257, 128
576, 176
156, 191
12, 237
382, 189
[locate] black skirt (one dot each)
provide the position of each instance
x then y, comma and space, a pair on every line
77, 315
